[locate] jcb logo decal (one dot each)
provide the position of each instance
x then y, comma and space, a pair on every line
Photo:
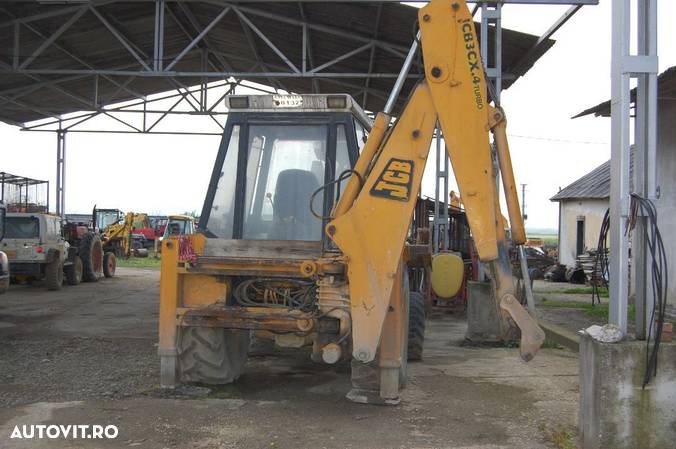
395, 181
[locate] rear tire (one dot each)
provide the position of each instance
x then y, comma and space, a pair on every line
416, 326
54, 274
74, 271
109, 265
211, 355
91, 253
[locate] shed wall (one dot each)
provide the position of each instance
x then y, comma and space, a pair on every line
592, 210
666, 179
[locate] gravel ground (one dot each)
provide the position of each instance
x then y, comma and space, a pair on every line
87, 354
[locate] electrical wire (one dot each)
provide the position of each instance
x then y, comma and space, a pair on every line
549, 139
342, 177
659, 278
294, 294
599, 277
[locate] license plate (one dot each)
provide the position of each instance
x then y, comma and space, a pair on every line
11, 254
26, 253
287, 101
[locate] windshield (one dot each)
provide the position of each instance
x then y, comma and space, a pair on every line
105, 219
285, 167
178, 227
22, 228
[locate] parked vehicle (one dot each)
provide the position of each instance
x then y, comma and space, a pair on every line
179, 225
38, 246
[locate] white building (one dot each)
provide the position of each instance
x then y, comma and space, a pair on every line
583, 203
582, 206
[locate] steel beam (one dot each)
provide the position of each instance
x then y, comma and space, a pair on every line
440, 221
47, 43
61, 172
307, 44
643, 65
372, 56
199, 74
198, 38
491, 14
67, 9
257, 57
342, 57
645, 170
158, 46
76, 58
527, 58
119, 37
268, 42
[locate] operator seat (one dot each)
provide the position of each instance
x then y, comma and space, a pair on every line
292, 219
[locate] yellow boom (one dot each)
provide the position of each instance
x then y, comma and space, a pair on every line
371, 221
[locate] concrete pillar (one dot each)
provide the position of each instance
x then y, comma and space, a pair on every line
483, 321
615, 411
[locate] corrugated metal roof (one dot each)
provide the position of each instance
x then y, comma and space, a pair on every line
593, 185
666, 90
88, 44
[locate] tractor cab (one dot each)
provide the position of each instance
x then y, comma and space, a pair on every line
179, 225
281, 166
102, 218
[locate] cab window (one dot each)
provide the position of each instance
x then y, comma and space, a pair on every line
284, 168
342, 158
22, 228
362, 134
222, 215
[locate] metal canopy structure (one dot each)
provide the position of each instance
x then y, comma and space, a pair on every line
666, 90
82, 56
15, 193
68, 63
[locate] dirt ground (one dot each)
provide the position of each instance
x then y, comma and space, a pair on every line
87, 355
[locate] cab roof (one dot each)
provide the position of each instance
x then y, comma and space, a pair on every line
306, 103
181, 217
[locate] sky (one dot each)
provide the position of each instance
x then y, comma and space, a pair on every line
161, 174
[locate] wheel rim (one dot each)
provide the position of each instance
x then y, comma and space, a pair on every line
111, 264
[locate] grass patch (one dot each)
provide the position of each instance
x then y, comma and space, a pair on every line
598, 310
603, 291
561, 437
139, 262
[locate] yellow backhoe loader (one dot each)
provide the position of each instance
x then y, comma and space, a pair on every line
115, 230
303, 234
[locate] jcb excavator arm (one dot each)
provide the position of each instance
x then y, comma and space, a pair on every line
371, 221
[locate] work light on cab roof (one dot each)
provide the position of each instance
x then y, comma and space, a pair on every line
304, 103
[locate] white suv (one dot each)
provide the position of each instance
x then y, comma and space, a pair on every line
36, 249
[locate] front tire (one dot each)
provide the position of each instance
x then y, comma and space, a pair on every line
54, 274
109, 265
91, 253
211, 355
74, 271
